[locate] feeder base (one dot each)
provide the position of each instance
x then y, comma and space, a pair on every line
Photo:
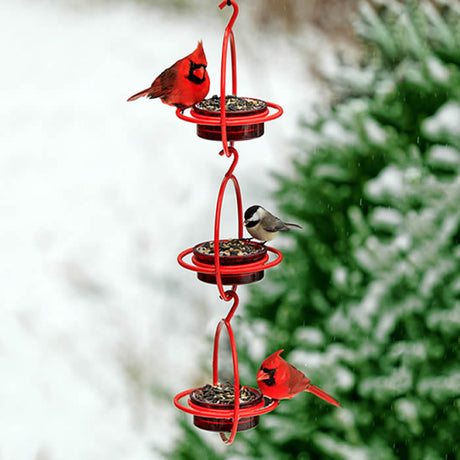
229, 280
224, 424
234, 133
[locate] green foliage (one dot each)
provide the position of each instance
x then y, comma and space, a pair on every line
368, 295
191, 446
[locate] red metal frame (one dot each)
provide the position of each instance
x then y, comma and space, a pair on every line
228, 150
193, 409
229, 269
266, 115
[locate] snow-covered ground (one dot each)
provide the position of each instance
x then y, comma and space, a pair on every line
97, 198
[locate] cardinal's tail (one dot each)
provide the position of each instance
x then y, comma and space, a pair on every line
322, 394
140, 94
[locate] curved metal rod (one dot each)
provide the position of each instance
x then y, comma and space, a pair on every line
261, 117
215, 365
250, 267
259, 409
235, 12
228, 176
229, 150
228, 35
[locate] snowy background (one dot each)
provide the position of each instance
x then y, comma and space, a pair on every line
98, 322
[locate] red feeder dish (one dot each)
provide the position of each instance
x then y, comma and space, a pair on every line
256, 252
240, 125
225, 424
241, 132
210, 418
243, 273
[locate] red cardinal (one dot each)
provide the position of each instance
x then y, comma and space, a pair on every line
183, 84
278, 379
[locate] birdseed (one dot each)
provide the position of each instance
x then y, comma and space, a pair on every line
236, 247
223, 394
232, 104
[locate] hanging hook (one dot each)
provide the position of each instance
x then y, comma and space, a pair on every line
228, 35
235, 11
232, 295
231, 150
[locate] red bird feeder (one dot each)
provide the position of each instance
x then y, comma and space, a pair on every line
252, 117
212, 262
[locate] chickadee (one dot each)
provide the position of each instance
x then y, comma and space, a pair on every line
264, 226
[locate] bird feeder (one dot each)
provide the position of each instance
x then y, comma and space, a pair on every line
217, 261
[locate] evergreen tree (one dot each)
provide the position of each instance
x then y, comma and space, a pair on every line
367, 298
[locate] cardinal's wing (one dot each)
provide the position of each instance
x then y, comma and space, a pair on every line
297, 380
164, 83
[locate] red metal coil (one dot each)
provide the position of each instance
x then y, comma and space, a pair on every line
239, 127
263, 408
266, 115
197, 266
273, 111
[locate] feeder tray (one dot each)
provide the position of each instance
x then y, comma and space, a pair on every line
221, 397
235, 107
206, 415
231, 252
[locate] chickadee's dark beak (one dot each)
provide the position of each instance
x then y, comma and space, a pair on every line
245, 223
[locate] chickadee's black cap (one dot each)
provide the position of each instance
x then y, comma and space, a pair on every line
251, 211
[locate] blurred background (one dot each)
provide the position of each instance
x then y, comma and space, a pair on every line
100, 327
